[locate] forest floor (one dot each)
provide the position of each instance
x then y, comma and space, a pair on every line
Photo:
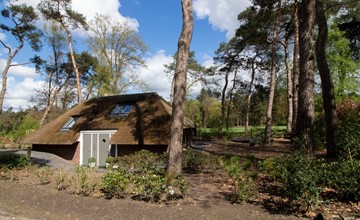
23, 197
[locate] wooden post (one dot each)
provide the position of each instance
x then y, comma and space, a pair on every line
28, 153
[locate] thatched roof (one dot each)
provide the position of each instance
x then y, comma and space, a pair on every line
147, 123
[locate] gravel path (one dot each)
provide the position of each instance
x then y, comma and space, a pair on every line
43, 159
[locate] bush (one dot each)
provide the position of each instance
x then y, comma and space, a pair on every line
303, 179
193, 161
344, 177
300, 177
82, 181
115, 184
10, 161
149, 186
43, 175
348, 139
319, 132
60, 180
347, 179
141, 176
242, 182
140, 161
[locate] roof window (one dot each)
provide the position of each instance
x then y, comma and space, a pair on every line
70, 123
121, 109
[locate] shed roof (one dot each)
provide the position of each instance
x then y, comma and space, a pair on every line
147, 123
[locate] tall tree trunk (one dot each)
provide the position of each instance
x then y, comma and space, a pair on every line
268, 125
6, 70
52, 99
295, 65
223, 93
227, 120
305, 116
4, 83
289, 84
327, 85
77, 76
175, 145
249, 95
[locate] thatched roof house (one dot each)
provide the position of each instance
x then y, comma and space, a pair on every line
108, 126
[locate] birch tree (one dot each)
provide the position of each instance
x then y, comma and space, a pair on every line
268, 124
21, 25
119, 50
61, 12
55, 77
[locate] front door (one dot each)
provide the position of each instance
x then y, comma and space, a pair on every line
95, 144
104, 148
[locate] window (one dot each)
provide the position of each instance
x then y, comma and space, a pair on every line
121, 109
70, 123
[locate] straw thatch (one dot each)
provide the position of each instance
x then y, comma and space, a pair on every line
148, 123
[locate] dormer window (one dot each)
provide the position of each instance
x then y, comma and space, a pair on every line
70, 123
121, 109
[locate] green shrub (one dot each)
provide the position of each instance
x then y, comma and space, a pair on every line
141, 176
319, 132
193, 161
242, 182
11, 161
347, 179
348, 139
300, 177
303, 179
60, 180
344, 177
149, 186
115, 184
82, 181
140, 161
257, 133
43, 174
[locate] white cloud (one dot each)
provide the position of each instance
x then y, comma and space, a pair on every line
22, 70
18, 94
208, 61
154, 75
2, 36
222, 15
89, 8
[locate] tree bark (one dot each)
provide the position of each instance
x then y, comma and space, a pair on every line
227, 120
6, 70
4, 83
175, 145
289, 84
249, 95
295, 65
77, 76
268, 125
305, 116
223, 93
327, 85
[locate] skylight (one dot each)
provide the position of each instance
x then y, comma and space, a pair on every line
70, 123
121, 109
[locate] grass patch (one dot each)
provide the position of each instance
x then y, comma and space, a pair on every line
256, 131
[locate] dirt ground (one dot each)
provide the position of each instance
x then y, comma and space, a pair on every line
23, 197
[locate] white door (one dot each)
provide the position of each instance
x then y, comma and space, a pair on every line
95, 144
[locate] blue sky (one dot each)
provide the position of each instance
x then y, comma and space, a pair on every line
158, 22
